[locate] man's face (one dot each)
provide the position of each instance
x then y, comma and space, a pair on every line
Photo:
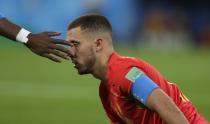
84, 56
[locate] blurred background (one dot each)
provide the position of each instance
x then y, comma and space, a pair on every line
172, 35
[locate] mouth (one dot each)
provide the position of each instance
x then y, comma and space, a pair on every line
75, 64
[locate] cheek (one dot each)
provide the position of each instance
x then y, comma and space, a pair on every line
91, 58
88, 57
82, 51
82, 56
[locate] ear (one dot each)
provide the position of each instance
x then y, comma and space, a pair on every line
98, 44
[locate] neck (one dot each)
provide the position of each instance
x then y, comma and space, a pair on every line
101, 68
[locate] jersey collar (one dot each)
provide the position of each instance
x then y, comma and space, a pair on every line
112, 58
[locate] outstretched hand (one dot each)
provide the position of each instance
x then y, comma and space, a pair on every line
44, 45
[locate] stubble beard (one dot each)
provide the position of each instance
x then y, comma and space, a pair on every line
89, 64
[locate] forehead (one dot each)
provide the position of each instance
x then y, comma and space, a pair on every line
74, 34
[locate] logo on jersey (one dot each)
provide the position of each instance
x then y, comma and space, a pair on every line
133, 74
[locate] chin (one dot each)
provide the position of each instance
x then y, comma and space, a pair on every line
81, 72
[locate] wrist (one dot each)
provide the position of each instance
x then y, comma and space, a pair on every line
22, 35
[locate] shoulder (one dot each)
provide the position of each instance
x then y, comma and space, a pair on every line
120, 66
118, 72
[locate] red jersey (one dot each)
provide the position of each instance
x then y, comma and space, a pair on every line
120, 105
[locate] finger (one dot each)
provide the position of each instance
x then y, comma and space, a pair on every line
59, 54
60, 41
51, 58
51, 33
61, 48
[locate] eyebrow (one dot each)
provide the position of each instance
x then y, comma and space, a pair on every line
75, 41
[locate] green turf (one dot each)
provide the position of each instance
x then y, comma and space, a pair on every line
34, 90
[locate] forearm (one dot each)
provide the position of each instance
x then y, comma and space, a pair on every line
169, 112
172, 115
9, 29
40, 43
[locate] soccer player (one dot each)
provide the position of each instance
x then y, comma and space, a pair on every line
131, 90
40, 43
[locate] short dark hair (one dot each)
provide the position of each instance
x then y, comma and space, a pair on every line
92, 22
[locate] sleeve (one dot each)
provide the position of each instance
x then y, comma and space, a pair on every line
141, 86
1, 16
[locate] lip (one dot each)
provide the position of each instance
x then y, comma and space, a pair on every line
73, 61
75, 64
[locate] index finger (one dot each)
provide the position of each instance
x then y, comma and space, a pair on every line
52, 33
60, 41
61, 48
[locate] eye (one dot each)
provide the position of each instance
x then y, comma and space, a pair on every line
75, 43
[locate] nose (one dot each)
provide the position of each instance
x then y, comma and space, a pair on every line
72, 52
